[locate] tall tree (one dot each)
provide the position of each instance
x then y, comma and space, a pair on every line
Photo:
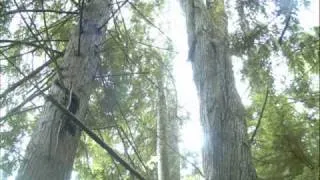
121, 105
173, 137
226, 152
162, 136
167, 133
51, 151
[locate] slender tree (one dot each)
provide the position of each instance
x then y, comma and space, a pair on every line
167, 134
162, 136
51, 151
226, 153
173, 140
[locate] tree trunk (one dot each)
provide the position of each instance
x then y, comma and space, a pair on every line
226, 153
173, 142
51, 151
162, 126
167, 137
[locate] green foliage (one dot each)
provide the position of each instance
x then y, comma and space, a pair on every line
302, 51
285, 146
12, 133
126, 103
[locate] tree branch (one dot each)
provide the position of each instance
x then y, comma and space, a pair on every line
93, 136
31, 43
39, 11
44, 47
27, 77
284, 29
80, 26
260, 117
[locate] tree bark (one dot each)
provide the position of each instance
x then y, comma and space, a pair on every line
51, 151
162, 128
173, 141
167, 136
226, 153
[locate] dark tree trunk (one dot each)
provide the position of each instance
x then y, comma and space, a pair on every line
226, 153
51, 151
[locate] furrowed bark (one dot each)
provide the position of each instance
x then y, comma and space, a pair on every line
226, 152
51, 151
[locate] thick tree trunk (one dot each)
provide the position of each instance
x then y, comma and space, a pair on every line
226, 153
51, 151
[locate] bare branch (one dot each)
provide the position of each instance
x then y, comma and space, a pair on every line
27, 77
40, 11
93, 136
18, 55
284, 29
31, 43
16, 110
260, 117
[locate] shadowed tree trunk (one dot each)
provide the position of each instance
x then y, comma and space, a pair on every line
226, 153
51, 151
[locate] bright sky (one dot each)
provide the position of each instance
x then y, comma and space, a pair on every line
187, 94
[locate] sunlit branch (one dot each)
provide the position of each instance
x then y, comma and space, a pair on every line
40, 11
